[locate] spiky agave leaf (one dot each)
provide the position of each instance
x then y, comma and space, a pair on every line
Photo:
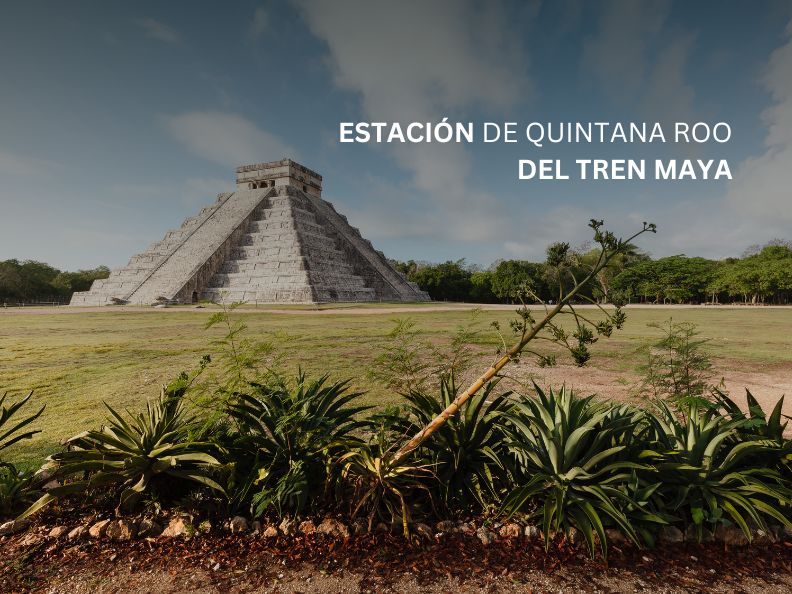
130, 452
287, 438
712, 471
571, 453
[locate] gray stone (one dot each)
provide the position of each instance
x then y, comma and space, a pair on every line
446, 526
58, 532
730, 535
510, 531
77, 532
121, 530
238, 525
287, 527
14, 526
177, 527
360, 526
307, 527
148, 528
273, 240
670, 535
615, 537
424, 531
98, 529
764, 537
486, 536
255, 526
333, 527
532, 532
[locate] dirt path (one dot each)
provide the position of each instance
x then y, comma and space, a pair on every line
344, 308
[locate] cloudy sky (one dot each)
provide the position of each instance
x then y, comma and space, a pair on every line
118, 120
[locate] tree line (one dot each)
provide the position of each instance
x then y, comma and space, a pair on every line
763, 275
30, 281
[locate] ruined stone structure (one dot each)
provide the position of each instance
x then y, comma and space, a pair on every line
273, 240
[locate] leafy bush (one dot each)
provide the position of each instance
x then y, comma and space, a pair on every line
576, 462
713, 471
379, 486
288, 439
677, 367
468, 452
16, 487
10, 430
135, 454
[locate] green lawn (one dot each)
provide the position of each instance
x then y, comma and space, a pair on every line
74, 361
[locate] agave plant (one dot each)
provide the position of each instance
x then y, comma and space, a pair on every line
288, 438
10, 430
714, 470
132, 453
381, 486
577, 462
468, 452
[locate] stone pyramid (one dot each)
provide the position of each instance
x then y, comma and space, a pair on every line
273, 240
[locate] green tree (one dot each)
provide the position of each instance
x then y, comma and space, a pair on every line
449, 281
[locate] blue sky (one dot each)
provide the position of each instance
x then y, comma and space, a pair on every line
118, 120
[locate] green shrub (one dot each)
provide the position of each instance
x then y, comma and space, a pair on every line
379, 487
288, 438
134, 454
713, 471
10, 430
16, 490
467, 453
577, 461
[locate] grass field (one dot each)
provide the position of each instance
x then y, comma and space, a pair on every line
76, 360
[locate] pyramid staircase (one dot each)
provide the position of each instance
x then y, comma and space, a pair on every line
263, 243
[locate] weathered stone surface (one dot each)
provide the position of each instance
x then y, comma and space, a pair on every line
510, 530
58, 532
670, 535
446, 526
77, 532
360, 526
176, 527
255, 526
273, 240
205, 527
615, 537
14, 526
121, 530
423, 530
148, 528
486, 536
532, 532
270, 532
307, 527
287, 527
97, 530
333, 527
730, 535
238, 525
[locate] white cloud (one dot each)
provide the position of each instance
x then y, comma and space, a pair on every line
639, 62
260, 23
160, 31
14, 164
226, 138
760, 189
419, 61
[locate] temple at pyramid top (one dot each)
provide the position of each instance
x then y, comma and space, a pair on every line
273, 240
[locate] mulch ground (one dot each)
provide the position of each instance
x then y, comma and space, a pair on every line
31, 562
